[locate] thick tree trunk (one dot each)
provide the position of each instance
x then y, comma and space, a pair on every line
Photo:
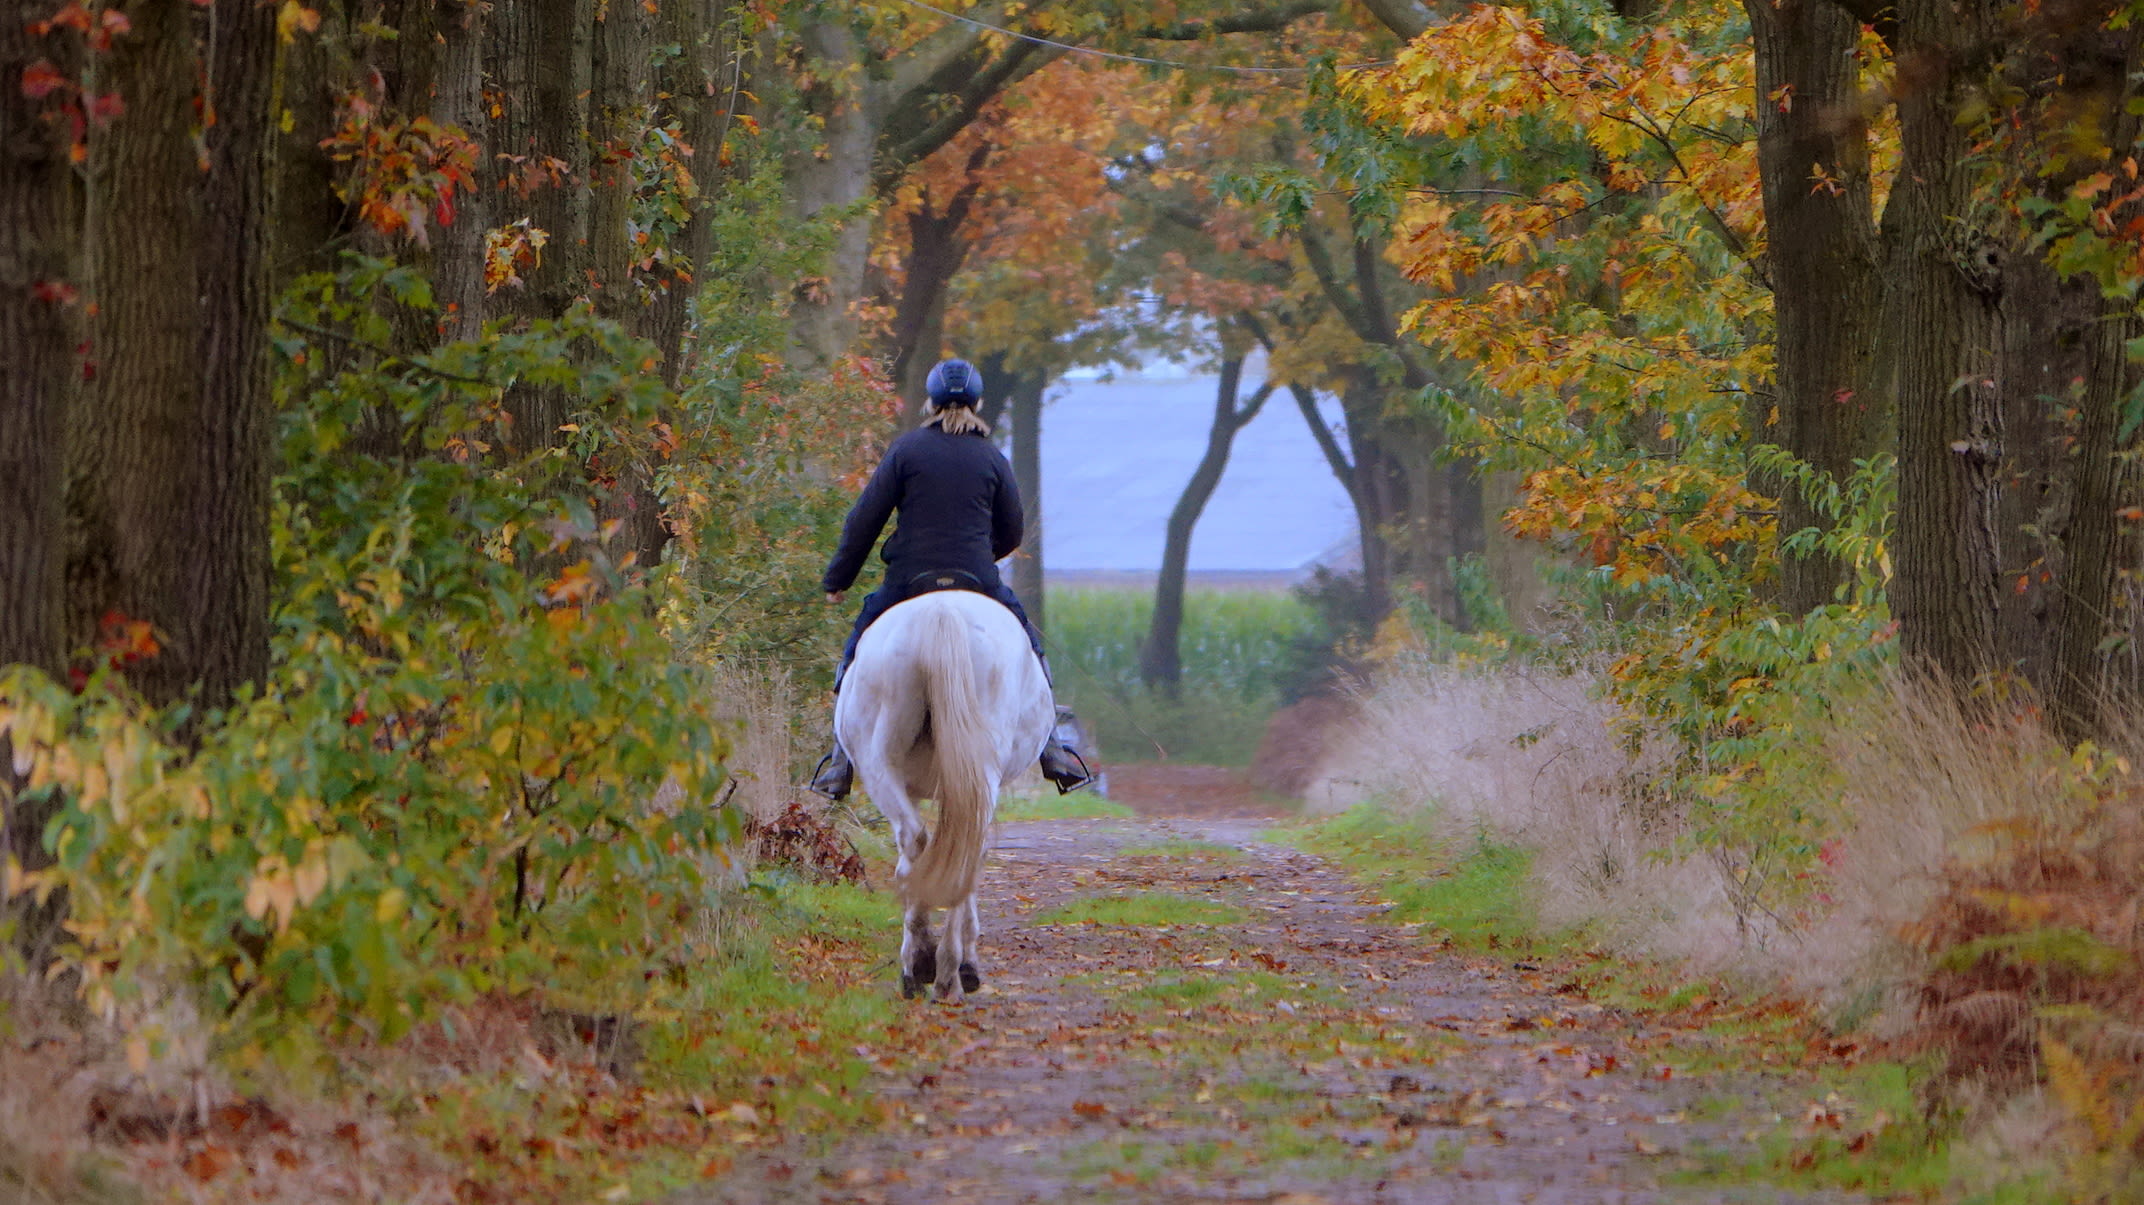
936, 252
457, 104
618, 111
310, 221
1027, 566
225, 573
1942, 324
697, 89
129, 445
40, 283
542, 65
40, 301
1161, 664
1823, 261
168, 457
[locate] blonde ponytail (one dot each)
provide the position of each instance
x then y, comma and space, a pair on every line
954, 420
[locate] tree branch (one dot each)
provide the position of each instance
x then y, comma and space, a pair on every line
938, 52
1248, 409
1407, 18
1336, 293
899, 151
1269, 20
1336, 459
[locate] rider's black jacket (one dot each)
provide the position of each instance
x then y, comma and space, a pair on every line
960, 509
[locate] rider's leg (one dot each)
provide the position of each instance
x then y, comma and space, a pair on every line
1061, 760
834, 776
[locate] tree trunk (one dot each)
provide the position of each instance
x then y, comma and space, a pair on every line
1026, 405
1376, 553
1161, 657
698, 89
833, 179
40, 283
457, 103
40, 280
1941, 322
1823, 261
310, 221
129, 445
618, 110
543, 66
936, 252
226, 569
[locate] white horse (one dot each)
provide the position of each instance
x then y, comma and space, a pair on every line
945, 701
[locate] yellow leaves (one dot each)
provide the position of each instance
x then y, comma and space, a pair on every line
278, 887
293, 18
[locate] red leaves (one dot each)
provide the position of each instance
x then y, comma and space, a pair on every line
40, 79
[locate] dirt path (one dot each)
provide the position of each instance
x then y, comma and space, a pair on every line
1259, 1035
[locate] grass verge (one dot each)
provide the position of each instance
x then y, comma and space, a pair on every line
1860, 1128
1472, 891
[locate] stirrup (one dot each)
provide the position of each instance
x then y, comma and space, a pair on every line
1067, 778
834, 776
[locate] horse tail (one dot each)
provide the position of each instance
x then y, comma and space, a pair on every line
965, 753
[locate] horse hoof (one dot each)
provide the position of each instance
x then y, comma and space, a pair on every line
923, 968
970, 978
911, 987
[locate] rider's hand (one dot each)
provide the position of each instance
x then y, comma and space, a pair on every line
835, 596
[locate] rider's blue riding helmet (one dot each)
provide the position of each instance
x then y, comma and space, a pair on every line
954, 383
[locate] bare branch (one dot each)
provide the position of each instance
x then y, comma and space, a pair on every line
1407, 18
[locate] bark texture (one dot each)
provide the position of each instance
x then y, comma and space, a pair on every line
1823, 260
168, 456
40, 287
39, 372
542, 63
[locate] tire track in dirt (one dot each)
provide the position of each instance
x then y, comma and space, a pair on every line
1296, 1047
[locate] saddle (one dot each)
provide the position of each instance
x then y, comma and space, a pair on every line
932, 580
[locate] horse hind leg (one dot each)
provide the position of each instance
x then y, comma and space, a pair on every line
971, 975
919, 952
957, 975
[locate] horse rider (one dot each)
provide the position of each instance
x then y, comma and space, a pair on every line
959, 515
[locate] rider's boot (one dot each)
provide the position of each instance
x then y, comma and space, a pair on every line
834, 775
1061, 761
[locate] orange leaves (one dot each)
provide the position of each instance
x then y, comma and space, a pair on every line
123, 641
511, 250
404, 174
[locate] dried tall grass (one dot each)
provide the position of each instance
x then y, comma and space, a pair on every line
1532, 755
759, 708
1908, 782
